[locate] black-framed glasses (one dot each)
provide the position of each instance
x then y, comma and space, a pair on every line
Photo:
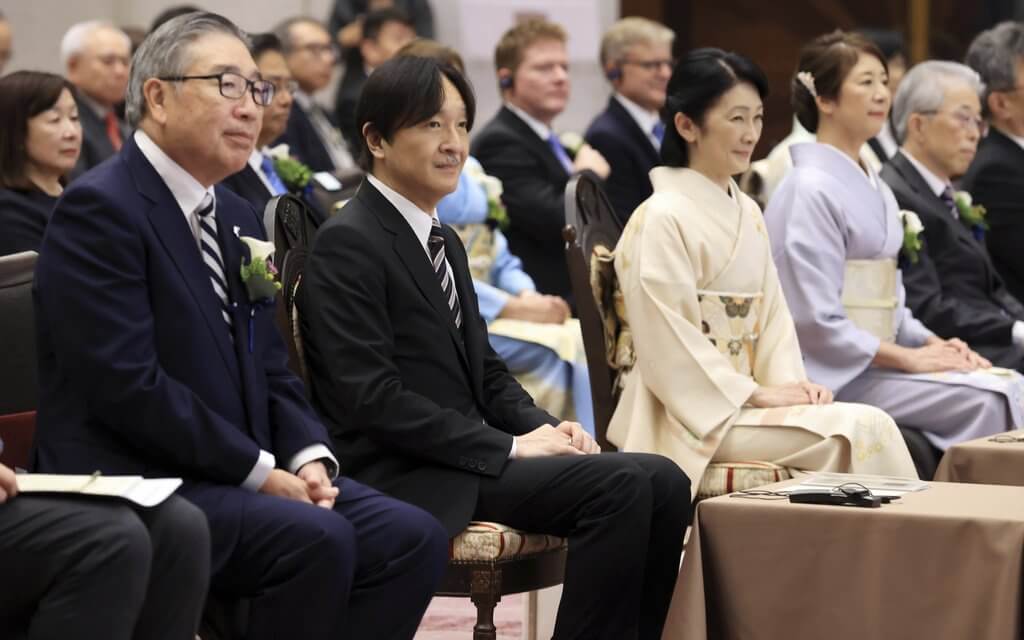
651, 65
965, 120
233, 86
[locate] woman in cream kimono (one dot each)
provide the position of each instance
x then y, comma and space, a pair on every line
718, 373
837, 234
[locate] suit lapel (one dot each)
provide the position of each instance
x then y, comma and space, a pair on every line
181, 246
633, 129
415, 259
532, 140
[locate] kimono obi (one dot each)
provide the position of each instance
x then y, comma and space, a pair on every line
870, 296
480, 249
732, 322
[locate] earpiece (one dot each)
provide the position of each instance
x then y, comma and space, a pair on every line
505, 82
613, 74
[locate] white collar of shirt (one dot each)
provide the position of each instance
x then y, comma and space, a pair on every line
187, 191
644, 118
256, 162
538, 127
303, 99
935, 183
419, 220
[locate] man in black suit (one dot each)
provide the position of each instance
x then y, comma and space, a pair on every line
312, 135
96, 56
519, 148
384, 32
996, 177
636, 55
420, 406
953, 287
259, 181
173, 364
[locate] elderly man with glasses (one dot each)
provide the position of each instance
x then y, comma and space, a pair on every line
996, 177
952, 286
159, 356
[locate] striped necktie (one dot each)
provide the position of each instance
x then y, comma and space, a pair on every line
436, 245
210, 249
947, 199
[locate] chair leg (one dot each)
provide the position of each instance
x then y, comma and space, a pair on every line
485, 592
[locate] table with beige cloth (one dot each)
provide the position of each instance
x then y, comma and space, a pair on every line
943, 563
982, 461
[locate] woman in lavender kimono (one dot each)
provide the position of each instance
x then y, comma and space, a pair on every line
717, 373
837, 233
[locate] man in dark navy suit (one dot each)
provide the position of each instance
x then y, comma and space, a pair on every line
155, 359
636, 55
952, 287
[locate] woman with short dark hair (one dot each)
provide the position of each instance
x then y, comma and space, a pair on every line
714, 371
41, 142
838, 237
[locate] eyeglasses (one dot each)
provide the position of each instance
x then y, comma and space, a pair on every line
965, 120
651, 65
233, 86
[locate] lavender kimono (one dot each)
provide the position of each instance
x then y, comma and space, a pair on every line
827, 216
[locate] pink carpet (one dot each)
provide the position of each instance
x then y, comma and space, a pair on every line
453, 619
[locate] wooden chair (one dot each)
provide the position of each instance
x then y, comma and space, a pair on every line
18, 378
487, 560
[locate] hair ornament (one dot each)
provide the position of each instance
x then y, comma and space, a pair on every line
807, 79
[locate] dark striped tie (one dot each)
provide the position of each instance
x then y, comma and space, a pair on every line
947, 199
210, 249
436, 245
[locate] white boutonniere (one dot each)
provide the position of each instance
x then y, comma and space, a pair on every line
260, 277
912, 229
972, 215
493, 188
572, 142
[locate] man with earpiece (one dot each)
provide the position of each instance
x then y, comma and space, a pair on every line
519, 147
636, 55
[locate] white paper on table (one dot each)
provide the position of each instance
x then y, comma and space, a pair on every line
891, 486
145, 492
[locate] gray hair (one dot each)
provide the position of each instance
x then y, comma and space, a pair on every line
630, 31
994, 54
74, 39
283, 30
166, 52
924, 88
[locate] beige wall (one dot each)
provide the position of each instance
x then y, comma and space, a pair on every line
39, 25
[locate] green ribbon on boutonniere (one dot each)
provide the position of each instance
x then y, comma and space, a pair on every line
972, 215
912, 229
260, 277
293, 174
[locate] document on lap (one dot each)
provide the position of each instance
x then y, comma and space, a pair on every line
145, 492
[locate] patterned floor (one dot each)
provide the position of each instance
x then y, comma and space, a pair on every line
453, 619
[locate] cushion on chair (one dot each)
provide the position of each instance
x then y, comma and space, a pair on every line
490, 541
721, 478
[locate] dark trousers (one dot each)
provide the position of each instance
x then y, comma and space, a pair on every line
366, 569
625, 515
96, 569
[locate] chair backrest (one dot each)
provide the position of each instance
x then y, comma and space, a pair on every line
590, 223
18, 378
294, 224
288, 312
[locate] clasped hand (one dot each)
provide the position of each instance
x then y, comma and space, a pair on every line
311, 485
790, 394
567, 439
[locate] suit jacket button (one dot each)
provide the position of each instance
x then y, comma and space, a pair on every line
482, 466
462, 461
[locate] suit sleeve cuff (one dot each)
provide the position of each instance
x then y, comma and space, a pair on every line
512, 452
315, 452
264, 465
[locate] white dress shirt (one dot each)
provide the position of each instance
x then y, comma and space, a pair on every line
420, 222
1019, 140
189, 193
542, 130
256, 162
644, 119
